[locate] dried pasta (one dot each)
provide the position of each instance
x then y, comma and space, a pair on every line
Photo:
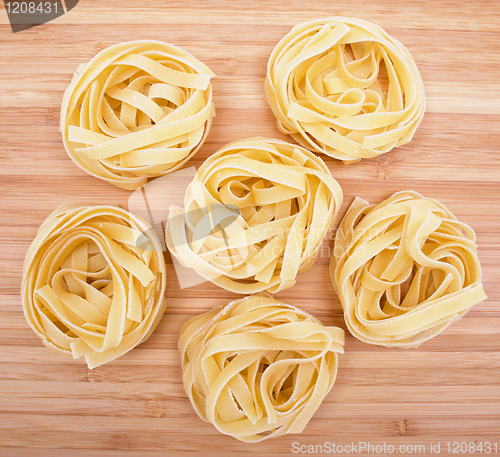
137, 110
258, 368
327, 86
281, 200
404, 270
93, 282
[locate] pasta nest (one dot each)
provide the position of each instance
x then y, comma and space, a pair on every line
138, 109
255, 215
258, 368
345, 88
93, 282
404, 270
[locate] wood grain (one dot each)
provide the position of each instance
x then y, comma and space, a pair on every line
447, 390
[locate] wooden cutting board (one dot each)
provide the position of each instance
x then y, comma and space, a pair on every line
446, 391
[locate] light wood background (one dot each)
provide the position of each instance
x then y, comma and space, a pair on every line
448, 390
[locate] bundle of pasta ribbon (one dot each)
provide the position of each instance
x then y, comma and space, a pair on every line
404, 270
138, 109
255, 215
93, 282
326, 84
258, 368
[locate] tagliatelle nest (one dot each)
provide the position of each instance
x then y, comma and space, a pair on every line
326, 86
404, 270
258, 368
93, 282
138, 109
255, 215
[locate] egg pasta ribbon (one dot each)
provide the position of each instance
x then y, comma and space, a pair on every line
404, 270
345, 88
93, 282
258, 368
255, 215
137, 110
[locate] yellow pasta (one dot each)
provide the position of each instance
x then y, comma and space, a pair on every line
93, 282
282, 199
137, 110
404, 270
345, 88
258, 368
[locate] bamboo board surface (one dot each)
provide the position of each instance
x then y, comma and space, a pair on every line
448, 390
